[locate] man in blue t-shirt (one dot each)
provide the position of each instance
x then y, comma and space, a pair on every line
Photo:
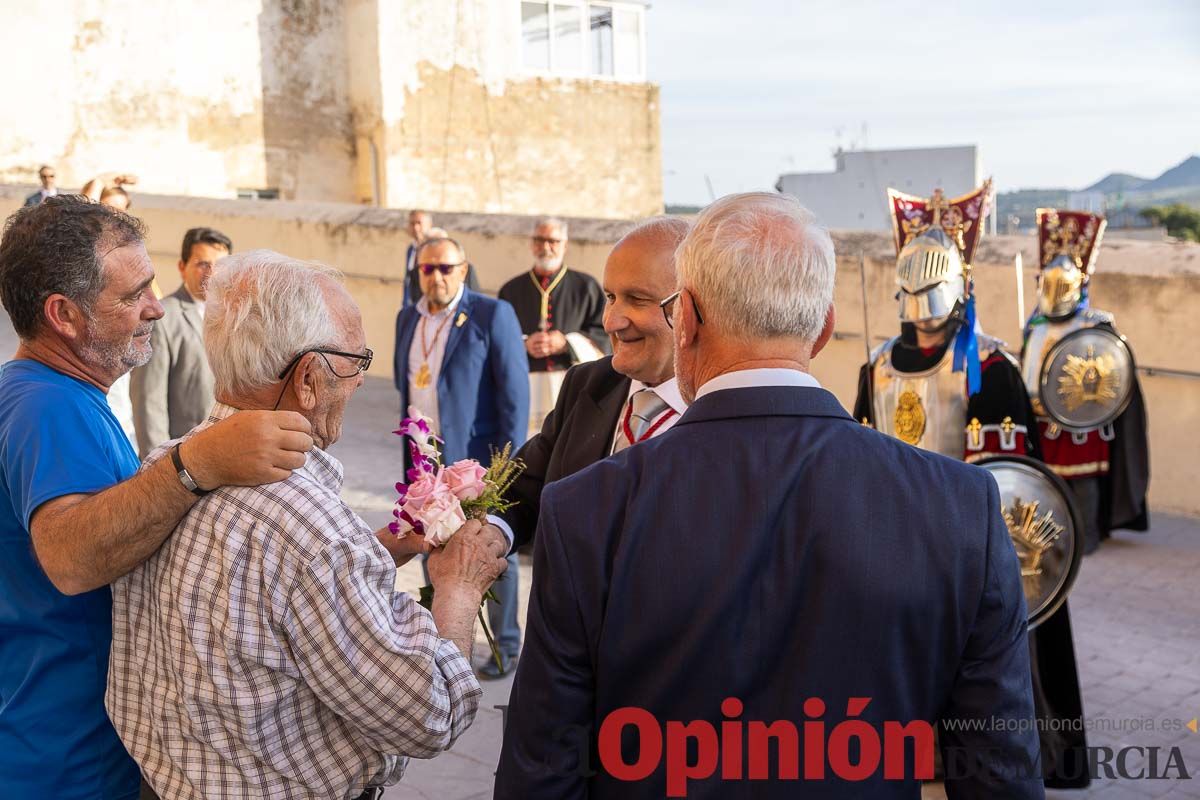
75, 280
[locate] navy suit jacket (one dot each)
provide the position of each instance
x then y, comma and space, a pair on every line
771, 549
483, 387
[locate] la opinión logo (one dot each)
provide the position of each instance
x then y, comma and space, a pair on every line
854, 749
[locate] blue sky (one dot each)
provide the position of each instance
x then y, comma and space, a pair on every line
1053, 93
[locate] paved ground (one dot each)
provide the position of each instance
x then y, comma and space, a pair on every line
1135, 611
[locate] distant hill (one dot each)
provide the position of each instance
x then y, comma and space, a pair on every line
1179, 184
1117, 182
1186, 174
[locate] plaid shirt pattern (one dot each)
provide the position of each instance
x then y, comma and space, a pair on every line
264, 652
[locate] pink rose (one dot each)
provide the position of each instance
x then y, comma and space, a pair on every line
465, 479
421, 492
442, 517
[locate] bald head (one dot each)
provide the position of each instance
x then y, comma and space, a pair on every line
639, 273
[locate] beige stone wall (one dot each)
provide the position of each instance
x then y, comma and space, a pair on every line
130, 86
1153, 288
574, 147
401, 104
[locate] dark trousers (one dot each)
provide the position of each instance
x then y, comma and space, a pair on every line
1087, 497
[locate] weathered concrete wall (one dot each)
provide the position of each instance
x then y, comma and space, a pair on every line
170, 91
467, 130
308, 133
403, 104
1153, 288
573, 147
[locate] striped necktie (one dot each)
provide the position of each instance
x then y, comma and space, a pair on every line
644, 408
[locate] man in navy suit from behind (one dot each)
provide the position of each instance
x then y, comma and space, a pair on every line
461, 361
767, 551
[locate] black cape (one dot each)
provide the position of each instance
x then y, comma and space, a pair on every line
576, 306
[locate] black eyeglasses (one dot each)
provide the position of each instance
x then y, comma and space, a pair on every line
364, 361
668, 306
364, 364
547, 240
445, 269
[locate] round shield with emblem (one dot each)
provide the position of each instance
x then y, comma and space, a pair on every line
1087, 379
1045, 528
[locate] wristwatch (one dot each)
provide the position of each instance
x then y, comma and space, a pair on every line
185, 477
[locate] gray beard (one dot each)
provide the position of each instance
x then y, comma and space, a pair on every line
112, 357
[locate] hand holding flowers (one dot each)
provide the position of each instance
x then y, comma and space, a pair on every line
437, 500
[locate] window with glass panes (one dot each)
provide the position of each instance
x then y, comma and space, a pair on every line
574, 38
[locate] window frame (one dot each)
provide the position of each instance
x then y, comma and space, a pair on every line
618, 7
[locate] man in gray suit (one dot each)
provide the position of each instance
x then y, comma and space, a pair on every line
174, 391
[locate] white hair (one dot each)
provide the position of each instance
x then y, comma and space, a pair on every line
553, 221
262, 309
759, 266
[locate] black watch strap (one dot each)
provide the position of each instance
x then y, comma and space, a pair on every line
185, 477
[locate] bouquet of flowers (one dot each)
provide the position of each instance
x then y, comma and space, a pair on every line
437, 499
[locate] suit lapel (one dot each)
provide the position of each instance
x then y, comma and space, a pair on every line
458, 325
191, 313
608, 401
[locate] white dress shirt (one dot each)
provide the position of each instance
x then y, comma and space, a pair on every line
750, 378
426, 400
668, 392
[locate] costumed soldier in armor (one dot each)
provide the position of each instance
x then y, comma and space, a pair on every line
1087, 398
942, 384
945, 386
561, 313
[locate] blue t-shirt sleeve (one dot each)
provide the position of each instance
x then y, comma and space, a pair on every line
62, 444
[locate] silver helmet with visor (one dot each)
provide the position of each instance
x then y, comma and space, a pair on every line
930, 277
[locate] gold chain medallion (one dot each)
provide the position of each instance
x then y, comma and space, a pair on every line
909, 417
423, 377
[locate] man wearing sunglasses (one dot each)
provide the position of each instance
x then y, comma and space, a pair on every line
420, 227
459, 360
272, 617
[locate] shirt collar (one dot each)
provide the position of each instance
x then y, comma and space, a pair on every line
749, 378
319, 466
423, 304
668, 390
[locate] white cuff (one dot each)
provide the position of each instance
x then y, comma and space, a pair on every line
503, 526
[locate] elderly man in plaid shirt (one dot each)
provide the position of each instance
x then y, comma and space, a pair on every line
263, 651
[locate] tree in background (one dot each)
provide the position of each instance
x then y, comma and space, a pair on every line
1182, 222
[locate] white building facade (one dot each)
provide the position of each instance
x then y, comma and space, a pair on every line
854, 195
